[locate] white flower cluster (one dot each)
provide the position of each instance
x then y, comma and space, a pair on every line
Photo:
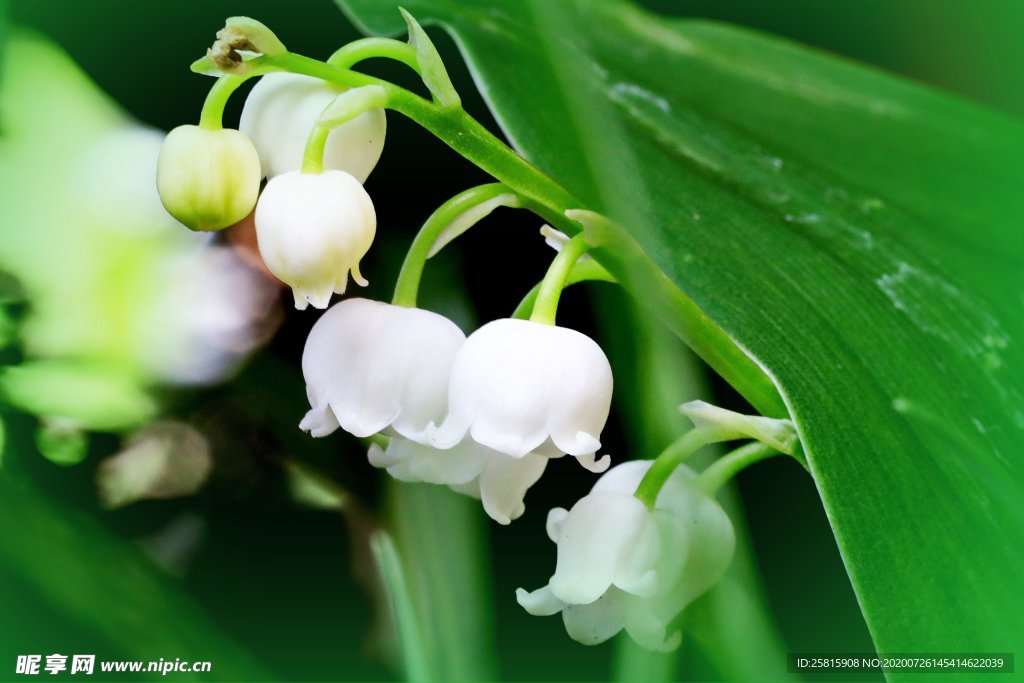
312, 228
482, 414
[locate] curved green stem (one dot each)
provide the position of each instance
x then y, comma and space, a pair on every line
357, 51
313, 155
212, 115
546, 307
583, 271
674, 456
725, 468
458, 214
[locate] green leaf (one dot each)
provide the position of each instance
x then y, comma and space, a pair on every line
435, 76
411, 638
110, 588
440, 537
857, 234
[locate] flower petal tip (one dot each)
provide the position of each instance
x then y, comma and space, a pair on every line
319, 422
540, 603
358, 277
554, 522
594, 464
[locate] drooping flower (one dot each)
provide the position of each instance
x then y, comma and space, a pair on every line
498, 480
517, 385
371, 366
623, 566
208, 179
282, 109
98, 258
313, 229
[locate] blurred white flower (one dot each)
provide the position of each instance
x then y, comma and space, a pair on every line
370, 366
208, 179
121, 296
215, 313
517, 385
621, 565
498, 480
280, 112
313, 228
201, 308
110, 172
163, 460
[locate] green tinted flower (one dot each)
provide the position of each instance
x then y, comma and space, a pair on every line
208, 179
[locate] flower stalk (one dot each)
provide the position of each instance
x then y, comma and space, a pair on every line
313, 155
728, 466
360, 50
546, 307
212, 115
451, 219
583, 271
678, 452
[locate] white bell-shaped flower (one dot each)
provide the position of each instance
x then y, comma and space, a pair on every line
370, 366
517, 385
282, 109
621, 565
312, 229
498, 480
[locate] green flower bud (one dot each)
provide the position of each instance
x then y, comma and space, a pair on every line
208, 179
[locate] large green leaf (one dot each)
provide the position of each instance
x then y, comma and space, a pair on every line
858, 235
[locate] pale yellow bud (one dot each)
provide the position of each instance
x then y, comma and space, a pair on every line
208, 179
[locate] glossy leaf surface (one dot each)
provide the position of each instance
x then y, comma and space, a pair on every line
858, 235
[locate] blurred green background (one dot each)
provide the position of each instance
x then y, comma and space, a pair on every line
284, 586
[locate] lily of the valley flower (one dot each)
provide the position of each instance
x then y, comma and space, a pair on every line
312, 229
517, 385
208, 179
371, 366
622, 565
498, 480
283, 107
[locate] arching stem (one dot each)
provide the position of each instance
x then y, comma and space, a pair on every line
313, 155
451, 219
546, 307
728, 466
212, 115
357, 51
583, 271
674, 456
